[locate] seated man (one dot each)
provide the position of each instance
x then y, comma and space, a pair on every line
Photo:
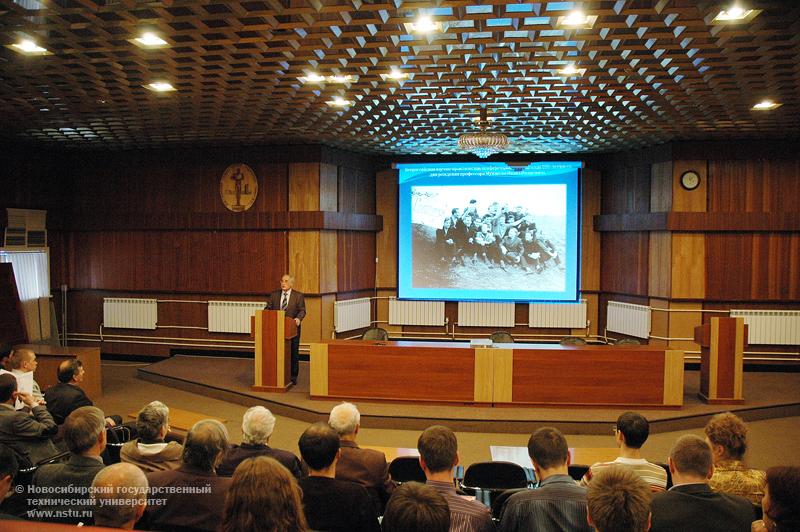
192, 496
63, 398
119, 496
331, 504
8, 472
630, 434
558, 503
364, 466
258, 424
618, 499
23, 361
416, 507
27, 433
726, 433
149, 451
438, 455
691, 504
85, 437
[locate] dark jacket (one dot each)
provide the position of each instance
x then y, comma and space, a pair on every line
63, 398
76, 476
296, 306
338, 506
690, 507
367, 467
28, 434
239, 453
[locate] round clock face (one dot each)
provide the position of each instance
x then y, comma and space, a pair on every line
690, 180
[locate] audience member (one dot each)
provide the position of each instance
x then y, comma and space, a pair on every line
726, 433
781, 502
264, 496
258, 424
27, 433
8, 472
85, 437
630, 433
558, 503
66, 396
119, 495
618, 500
24, 361
416, 507
192, 496
691, 504
364, 466
5, 355
438, 455
150, 451
331, 504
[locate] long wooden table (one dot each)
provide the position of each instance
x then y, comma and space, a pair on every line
51, 356
537, 374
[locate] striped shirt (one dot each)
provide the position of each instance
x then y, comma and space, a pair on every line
559, 503
653, 474
466, 514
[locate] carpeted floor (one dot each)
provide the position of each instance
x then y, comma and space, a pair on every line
771, 441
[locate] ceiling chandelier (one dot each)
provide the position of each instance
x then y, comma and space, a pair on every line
485, 142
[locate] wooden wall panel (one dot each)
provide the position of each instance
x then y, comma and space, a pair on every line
688, 266
624, 263
689, 200
754, 185
386, 240
167, 261
328, 262
626, 190
356, 190
659, 321
356, 267
304, 260
590, 239
304, 187
660, 264
328, 187
661, 187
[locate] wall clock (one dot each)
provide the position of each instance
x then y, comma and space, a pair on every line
690, 180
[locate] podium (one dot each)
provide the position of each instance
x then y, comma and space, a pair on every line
273, 333
722, 345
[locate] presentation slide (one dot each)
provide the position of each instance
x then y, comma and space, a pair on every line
489, 231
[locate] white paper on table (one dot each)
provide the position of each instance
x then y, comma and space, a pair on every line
24, 384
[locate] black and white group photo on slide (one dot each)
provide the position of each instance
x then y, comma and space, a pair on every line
505, 237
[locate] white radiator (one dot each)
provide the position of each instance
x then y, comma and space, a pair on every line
352, 314
232, 316
627, 318
479, 314
128, 313
557, 315
403, 312
771, 327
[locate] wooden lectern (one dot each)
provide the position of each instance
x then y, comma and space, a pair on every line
273, 333
722, 344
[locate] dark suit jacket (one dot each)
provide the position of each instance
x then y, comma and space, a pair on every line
28, 434
338, 506
296, 307
367, 467
182, 511
63, 398
691, 507
239, 453
79, 472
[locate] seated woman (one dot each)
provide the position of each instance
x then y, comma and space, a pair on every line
781, 500
726, 433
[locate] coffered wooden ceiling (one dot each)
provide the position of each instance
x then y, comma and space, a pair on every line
655, 70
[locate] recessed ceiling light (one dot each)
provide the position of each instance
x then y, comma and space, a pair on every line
423, 24
766, 105
577, 19
735, 14
149, 40
160, 86
571, 70
395, 73
338, 101
29, 47
340, 79
312, 77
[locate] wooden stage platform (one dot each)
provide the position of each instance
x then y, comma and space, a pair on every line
767, 395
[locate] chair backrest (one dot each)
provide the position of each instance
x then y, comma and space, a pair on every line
375, 333
669, 473
627, 341
500, 501
495, 476
406, 469
576, 471
572, 340
501, 337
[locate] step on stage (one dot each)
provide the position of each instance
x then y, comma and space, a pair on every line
767, 395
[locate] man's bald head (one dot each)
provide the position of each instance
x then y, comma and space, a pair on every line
120, 495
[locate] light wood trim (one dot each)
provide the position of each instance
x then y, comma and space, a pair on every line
328, 261
688, 266
484, 375
503, 375
304, 261
259, 350
682, 324
738, 376
304, 190
386, 240
673, 378
319, 370
659, 264
659, 321
280, 350
713, 359
689, 200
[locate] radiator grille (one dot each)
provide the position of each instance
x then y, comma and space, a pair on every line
627, 318
232, 316
402, 312
771, 327
480, 314
557, 315
352, 314
127, 313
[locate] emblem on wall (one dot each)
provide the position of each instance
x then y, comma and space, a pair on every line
238, 187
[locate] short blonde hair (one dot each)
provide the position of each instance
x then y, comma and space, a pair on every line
618, 499
344, 418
